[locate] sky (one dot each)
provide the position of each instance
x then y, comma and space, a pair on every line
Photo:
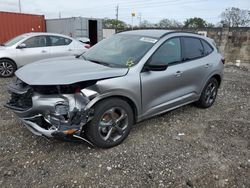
151, 10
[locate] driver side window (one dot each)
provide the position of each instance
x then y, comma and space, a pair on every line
35, 42
168, 53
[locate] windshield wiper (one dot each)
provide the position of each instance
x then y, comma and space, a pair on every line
2, 45
77, 56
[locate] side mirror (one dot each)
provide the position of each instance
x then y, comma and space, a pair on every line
154, 66
21, 46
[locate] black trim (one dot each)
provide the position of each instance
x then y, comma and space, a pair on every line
208, 45
182, 47
173, 32
198, 38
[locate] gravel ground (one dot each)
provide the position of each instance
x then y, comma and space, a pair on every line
187, 147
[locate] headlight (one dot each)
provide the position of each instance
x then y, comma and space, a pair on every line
89, 93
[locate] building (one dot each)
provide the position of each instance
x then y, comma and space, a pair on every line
77, 27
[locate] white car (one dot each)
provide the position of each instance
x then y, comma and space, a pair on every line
31, 47
85, 41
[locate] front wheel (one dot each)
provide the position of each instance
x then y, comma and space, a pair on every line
7, 68
111, 124
208, 94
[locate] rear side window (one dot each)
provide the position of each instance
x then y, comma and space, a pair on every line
58, 41
207, 48
192, 48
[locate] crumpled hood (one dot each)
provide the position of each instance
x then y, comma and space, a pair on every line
64, 72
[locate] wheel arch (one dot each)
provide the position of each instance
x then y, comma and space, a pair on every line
130, 101
218, 78
7, 58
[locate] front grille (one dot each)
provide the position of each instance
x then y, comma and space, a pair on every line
21, 96
21, 101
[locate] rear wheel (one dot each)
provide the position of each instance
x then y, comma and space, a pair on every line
7, 68
111, 124
208, 94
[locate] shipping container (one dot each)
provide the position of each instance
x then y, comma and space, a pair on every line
13, 24
77, 27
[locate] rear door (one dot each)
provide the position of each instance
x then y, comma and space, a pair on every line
36, 49
196, 65
60, 46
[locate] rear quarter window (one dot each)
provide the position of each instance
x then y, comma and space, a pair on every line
207, 47
59, 41
192, 48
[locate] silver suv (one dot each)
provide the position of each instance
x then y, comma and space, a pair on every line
127, 78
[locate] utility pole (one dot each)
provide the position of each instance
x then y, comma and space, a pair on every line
133, 15
19, 5
117, 17
140, 18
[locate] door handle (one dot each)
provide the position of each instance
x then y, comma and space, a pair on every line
207, 65
44, 51
70, 50
178, 73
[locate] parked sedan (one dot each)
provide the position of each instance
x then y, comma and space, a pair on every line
30, 47
122, 80
85, 41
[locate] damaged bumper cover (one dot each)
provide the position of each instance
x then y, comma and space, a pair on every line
59, 116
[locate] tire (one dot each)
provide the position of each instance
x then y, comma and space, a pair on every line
102, 130
208, 94
7, 68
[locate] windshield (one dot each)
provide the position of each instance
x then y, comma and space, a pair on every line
14, 40
120, 50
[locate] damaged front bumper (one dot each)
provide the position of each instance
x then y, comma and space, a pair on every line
60, 116
65, 132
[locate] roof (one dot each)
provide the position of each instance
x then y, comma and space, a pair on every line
159, 33
44, 33
154, 33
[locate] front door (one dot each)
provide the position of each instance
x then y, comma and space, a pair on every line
160, 89
35, 49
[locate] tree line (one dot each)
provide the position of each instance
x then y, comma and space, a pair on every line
231, 17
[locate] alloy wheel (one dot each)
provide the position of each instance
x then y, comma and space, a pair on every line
113, 124
6, 69
210, 93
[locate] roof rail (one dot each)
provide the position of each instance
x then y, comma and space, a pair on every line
171, 32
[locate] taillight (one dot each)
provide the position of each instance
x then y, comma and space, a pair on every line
87, 46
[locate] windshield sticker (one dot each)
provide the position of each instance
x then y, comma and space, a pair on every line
130, 62
146, 39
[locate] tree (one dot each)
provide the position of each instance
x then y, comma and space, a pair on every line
169, 23
195, 23
235, 17
113, 23
146, 23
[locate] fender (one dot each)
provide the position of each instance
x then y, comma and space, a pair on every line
113, 94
